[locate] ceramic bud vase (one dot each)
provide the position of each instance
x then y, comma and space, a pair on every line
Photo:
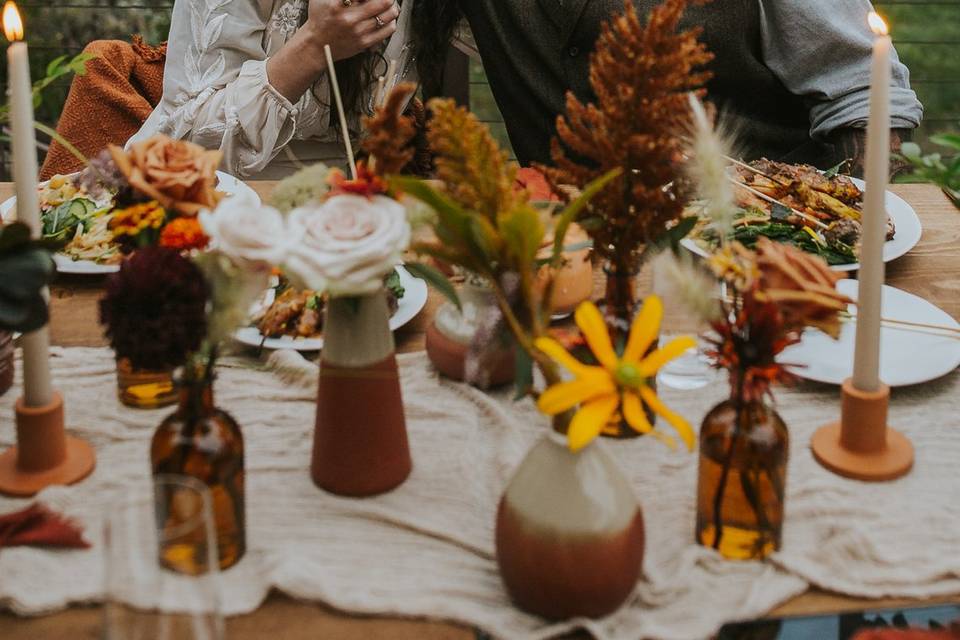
569, 532
740, 489
6, 361
360, 440
203, 442
449, 336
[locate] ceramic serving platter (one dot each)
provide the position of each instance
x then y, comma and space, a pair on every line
225, 182
908, 355
413, 300
905, 218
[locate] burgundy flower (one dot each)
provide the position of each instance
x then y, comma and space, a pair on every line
154, 309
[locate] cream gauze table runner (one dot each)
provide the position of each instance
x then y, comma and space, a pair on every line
426, 549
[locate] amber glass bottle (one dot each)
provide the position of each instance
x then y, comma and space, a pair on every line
740, 490
203, 442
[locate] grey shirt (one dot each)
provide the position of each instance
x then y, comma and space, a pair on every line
789, 72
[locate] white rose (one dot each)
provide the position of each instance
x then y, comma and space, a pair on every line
247, 231
347, 244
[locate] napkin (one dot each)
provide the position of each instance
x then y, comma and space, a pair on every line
39, 526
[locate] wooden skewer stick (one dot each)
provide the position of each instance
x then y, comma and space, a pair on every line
343, 116
763, 196
378, 97
908, 323
746, 166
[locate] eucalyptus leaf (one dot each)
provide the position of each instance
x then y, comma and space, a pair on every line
951, 140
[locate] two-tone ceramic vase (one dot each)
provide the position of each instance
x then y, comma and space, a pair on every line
360, 437
569, 533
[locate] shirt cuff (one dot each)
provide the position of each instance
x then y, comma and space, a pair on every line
853, 110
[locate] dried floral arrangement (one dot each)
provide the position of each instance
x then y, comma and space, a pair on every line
487, 227
776, 292
641, 75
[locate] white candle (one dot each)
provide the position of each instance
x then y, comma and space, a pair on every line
866, 362
37, 390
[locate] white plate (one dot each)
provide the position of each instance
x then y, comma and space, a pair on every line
65, 264
906, 356
413, 300
906, 220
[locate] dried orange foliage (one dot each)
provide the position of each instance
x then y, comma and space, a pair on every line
640, 75
390, 133
477, 173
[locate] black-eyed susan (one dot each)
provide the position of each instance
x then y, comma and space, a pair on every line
621, 381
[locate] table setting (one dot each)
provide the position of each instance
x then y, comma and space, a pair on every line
451, 398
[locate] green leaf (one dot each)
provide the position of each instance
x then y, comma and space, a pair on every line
570, 213
53, 67
436, 280
523, 373
833, 172
453, 221
951, 140
523, 232
13, 235
780, 212
911, 150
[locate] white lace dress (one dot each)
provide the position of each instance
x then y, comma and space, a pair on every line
216, 92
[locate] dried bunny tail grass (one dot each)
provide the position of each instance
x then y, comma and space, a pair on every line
709, 148
689, 283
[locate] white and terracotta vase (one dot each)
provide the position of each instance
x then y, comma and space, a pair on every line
449, 336
569, 534
360, 441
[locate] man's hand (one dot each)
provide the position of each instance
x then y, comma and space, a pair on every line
851, 144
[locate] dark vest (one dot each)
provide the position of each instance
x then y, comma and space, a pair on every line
535, 50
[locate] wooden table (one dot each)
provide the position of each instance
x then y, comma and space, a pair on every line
931, 270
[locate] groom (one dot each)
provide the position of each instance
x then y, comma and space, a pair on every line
794, 76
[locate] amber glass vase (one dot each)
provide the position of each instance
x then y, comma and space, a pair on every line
143, 389
619, 306
203, 442
740, 489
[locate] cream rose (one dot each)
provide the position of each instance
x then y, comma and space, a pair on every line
347, 244
247, 231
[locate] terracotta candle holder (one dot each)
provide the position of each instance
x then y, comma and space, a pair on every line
862, 446
45, 455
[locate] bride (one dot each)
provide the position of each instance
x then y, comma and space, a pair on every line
249, 77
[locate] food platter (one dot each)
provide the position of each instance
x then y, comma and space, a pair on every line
413, 301
903, 216
225, 182
908, 355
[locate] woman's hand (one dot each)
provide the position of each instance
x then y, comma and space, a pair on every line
351, 26
349, 29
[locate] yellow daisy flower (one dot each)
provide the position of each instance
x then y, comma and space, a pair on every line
619, 382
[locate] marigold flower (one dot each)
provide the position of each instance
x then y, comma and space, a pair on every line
184, 234
137, 218
620, 382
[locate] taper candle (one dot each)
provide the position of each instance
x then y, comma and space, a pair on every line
866, 361
37, 390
